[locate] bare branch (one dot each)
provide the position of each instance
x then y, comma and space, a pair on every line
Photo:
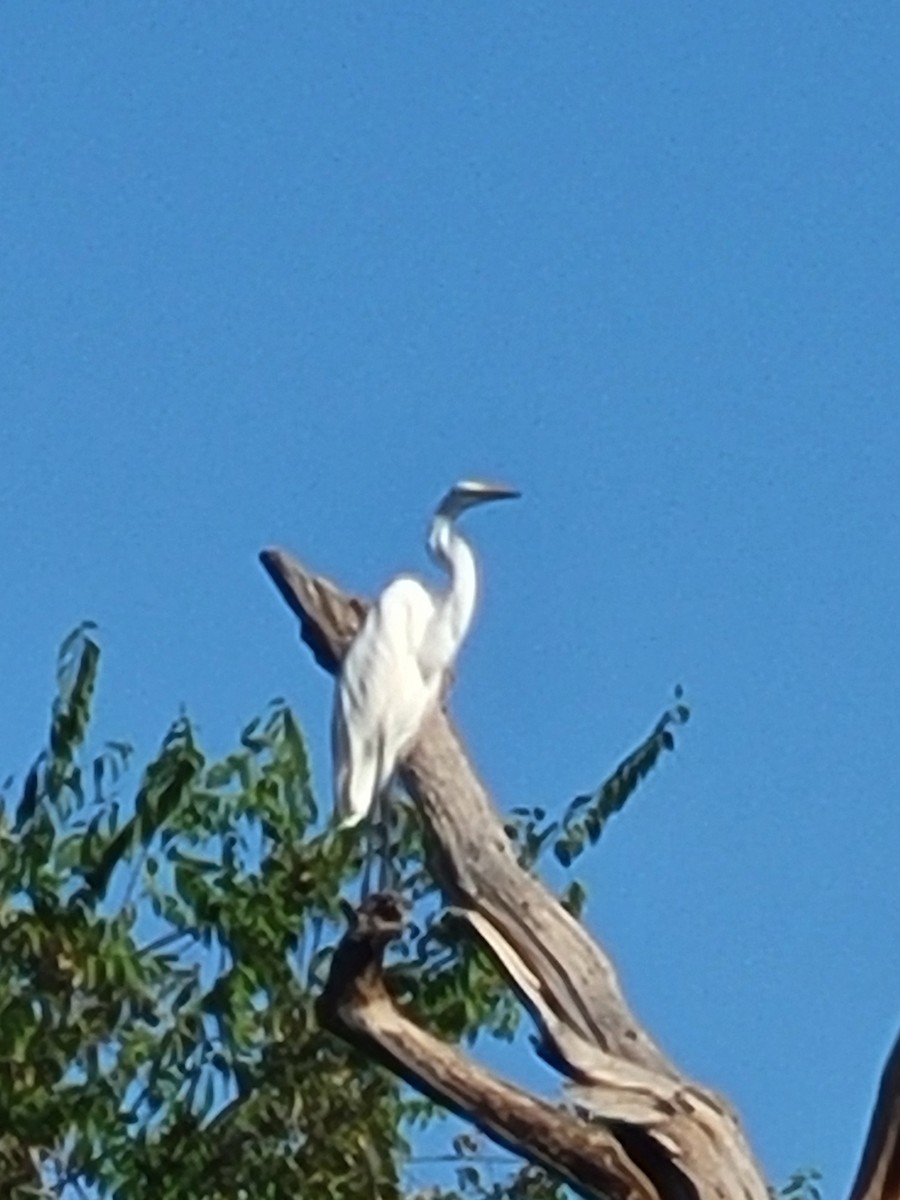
356, 1005
328, 616
475, 861
878, 1177
643, 1130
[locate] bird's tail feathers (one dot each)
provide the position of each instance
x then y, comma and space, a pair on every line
350, 820
356, 786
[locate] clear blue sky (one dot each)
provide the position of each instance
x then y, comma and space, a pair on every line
279, 273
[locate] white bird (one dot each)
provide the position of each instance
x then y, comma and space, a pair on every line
392, 672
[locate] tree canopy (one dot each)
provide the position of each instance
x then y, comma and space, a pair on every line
166, 931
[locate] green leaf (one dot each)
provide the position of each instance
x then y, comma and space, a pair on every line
29, 801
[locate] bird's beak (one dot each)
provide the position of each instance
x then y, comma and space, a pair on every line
466, 495
498, 491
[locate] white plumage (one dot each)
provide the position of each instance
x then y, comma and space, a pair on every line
392, 672
382, 696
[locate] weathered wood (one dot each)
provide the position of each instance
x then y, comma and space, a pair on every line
337, 614
477, 866
878, 1176
659, 1136
356, 1005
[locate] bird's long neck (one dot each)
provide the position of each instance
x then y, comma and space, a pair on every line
454, 611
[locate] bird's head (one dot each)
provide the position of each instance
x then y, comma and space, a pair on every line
469, 492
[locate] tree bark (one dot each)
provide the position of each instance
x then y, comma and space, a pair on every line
637, 1127
878, 1176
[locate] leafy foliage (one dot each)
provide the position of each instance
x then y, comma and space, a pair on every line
162, 951
585, 817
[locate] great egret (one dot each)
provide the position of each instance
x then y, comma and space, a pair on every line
392, 672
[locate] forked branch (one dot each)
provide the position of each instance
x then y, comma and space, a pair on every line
357, 1006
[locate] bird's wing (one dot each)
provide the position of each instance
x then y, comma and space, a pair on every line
379, 696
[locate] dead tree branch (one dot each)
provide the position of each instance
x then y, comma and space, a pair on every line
356, 1005
878, 1177
639, 1129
